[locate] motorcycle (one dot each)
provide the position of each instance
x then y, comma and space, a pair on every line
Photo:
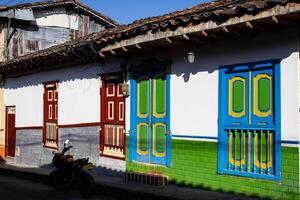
70, 172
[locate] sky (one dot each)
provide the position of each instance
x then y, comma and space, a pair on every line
126, 11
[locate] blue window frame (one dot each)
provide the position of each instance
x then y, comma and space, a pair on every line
249, 120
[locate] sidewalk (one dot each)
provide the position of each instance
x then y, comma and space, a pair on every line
116, 186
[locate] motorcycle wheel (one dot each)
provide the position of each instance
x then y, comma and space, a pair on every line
58, 180
86, 184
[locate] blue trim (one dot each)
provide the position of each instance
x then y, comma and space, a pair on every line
277, 111
250, 127
290, 142
223, 143
222, 154
249, 174
168, 105
195, 137
251, 65
132, 141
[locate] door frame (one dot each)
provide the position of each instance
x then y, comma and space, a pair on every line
133, 118
222, 155
6, 130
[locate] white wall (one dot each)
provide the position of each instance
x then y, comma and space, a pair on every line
78, 101
194, 87
28, 100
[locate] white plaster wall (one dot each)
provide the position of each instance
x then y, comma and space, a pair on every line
79, 96
28, 100
194, 87
79, 101
56, 18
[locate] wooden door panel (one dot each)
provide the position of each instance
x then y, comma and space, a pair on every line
150, 120
50, 138
112, 134
143, 119
159, 119
10, 132
262, 94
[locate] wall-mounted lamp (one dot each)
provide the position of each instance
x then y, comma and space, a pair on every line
190, 57
125, 89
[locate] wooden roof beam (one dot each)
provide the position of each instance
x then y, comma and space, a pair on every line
275, 19
225, 29
204, 33
138, 46
168, 40
125, 49
249, 25
101, 54
185, 37
112, 52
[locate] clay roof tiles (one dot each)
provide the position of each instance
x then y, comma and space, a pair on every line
216, 10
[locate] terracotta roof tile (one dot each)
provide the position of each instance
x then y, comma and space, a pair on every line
216, 10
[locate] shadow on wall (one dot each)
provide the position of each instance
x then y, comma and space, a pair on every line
70, 75
244, 49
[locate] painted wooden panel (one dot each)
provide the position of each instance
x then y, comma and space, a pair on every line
112, 134
159, 101
143, 98
249, 130
150, 120
237, 98
159, 140
263, 97
50, 137
142, 139
10, 145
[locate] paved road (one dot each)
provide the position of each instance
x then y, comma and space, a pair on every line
18, 189
12, 188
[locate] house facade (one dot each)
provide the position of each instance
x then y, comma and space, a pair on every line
27, 28
206, 97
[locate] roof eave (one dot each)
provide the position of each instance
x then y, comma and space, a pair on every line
201, 28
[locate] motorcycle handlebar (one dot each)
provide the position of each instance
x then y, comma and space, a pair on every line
66, 149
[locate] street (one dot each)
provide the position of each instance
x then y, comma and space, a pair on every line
12, 188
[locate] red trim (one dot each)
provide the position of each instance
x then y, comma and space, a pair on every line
50, 82
29, 128
44, 120
60, 126
55, 148
79, 125
114, 157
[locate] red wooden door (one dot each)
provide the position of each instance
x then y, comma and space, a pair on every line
50, 114
10, 131
112, 134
